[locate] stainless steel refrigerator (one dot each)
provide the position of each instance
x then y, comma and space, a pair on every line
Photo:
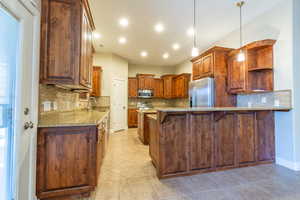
201, 93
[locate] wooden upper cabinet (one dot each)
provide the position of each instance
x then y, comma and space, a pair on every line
181, 85
168, 86
158, 88
211, 63
66, 45
145, 81
237, 75
132, 87
97, 77
255, 74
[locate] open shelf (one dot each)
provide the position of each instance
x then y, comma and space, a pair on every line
250, 69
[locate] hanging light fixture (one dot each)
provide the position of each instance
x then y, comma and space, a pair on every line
195, 50
241, 56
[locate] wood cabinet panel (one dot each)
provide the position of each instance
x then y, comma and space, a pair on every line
97, 79
265, 136
132, 87
158, 88
246, 137
174, 145
153, 141
225, 139
196, 69
66, 161
66, 45
168, 86
132, 118
237, 75
202, 137
207, 66
145, 81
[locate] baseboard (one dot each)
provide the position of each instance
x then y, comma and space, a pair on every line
295, 166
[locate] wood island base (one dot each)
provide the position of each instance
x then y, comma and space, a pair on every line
187, 143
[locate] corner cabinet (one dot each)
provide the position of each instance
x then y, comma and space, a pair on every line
66, 43
255, 74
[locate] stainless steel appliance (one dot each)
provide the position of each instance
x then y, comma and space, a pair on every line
145, 94
201, 93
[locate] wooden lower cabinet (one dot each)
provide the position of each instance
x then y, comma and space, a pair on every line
202, 146
194, 142
69, 161
132, 118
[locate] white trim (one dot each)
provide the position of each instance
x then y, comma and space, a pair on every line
295, 166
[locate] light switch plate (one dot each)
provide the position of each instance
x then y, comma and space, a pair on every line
249, 104
47, 106
54, 105
264, 100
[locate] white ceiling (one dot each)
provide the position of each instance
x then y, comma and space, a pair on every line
216, 19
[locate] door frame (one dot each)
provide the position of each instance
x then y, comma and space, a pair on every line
125, 127
33, 8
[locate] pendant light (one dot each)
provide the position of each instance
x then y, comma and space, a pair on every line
195, 50
241, 56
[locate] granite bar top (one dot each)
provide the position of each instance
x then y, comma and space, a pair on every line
72, 118
148, 111
216, 109
152, 116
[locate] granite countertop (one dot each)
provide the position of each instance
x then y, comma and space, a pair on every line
72, 118
146, 111
215, 109
153, 116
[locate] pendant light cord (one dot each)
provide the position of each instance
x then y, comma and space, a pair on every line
195, 38
241, 31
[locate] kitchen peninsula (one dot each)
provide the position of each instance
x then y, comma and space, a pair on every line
196, 140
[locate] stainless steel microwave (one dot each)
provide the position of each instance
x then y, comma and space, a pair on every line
146, 94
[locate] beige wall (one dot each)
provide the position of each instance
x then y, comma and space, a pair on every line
184, 67
114, 67
148, 69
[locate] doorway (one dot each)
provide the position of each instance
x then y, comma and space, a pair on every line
19, 39
118, 105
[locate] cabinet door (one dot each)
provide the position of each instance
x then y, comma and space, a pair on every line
154, 141
265, 136
236, 75
132, 118
66, 161
60, 42
173, 145
132, 87
158, 88
246, 137
225, 139
86, 51
97, 73
149, 83
168, 87
196, 69
207, 66
202, 137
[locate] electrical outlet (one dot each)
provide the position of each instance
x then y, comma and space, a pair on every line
54, 105
264, 100
249, 104
47, 106
276, 103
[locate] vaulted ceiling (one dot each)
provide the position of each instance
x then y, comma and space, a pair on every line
215, 19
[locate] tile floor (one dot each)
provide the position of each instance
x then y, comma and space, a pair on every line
127, 174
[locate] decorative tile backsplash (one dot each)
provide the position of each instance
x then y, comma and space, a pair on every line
282, 98
53, 99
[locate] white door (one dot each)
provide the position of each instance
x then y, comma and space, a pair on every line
118, 105
19, 52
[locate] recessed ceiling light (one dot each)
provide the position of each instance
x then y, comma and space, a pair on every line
96, 35
176, 46
166, 55
190, 32
159, 28
144, 53
124, 22
122, 40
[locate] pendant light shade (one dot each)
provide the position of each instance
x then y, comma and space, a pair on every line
241, 56
195, 50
